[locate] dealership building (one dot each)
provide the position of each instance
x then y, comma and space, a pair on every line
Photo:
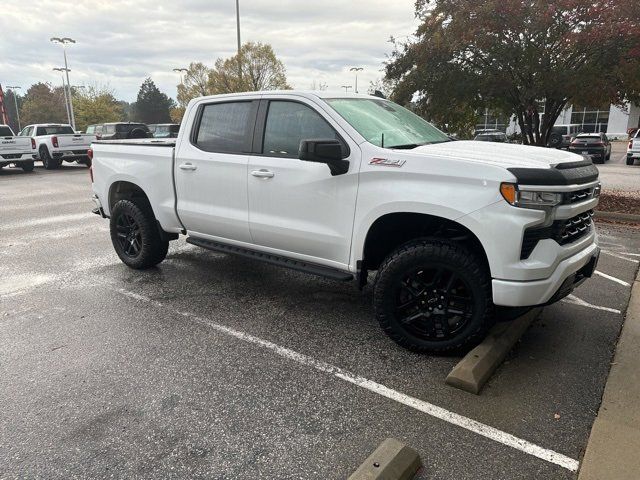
612, 120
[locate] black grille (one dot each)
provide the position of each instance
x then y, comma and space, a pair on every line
80, 152
9, 156
562, 231
578, 196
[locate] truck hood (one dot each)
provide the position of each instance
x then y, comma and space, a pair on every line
499, 154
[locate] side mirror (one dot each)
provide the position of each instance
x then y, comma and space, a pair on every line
324, 151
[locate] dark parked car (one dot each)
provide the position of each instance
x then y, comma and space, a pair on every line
164, 130
124, 130
594, 144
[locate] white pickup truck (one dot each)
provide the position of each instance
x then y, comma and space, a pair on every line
56, 142
633, 150
342, 185
19, 151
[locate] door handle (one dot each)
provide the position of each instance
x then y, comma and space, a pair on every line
262, 173
188, 166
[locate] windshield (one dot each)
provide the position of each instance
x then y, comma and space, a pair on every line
5, 131
386, 124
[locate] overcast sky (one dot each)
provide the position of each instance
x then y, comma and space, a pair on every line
121, 42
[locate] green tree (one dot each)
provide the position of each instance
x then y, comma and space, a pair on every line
528, 58
95, 105
152, 106
43, 104
261, 70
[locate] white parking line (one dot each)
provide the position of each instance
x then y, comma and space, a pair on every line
417, 404
629, 253
613, 279
573, 300
618, 255
47, 220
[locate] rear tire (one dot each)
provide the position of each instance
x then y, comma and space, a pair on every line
135, 235
27, 166
48, 162
630, 161
433, 296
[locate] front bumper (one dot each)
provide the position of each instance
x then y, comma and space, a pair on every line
569, 273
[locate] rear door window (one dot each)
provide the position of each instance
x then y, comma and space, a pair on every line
225, 127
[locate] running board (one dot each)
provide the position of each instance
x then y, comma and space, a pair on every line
273, 259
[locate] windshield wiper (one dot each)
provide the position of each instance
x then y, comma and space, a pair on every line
409, 146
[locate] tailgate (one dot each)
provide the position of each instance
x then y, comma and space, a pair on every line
75, 142
15, 145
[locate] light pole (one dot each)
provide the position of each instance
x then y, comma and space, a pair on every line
346, 88
180, 71
15, 99
63, 41
356, 69
64, 89
238, 34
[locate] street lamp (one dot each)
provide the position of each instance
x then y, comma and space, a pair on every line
346, 88
64, 89
63, 41
180, 71
15, 99
356, 69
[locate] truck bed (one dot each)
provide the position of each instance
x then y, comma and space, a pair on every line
146, 163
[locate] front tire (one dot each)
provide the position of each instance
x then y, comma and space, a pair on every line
135, 235
433, 296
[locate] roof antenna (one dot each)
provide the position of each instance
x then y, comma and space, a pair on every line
382, 142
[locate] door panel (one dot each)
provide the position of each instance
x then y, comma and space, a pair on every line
298, 206
211, 172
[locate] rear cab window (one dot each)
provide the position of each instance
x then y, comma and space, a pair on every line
55, 130
5, 132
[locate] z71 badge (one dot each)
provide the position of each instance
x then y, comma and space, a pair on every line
386, 162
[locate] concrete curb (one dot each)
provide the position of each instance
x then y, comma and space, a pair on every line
392, 460
614, 443
473, 371
624, 217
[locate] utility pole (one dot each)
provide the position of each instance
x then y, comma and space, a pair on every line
238, 33
64, 89
356, 69
15, 99
63, 41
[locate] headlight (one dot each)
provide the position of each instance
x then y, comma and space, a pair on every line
529, 198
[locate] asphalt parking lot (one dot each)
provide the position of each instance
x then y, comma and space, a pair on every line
213, 366
615, 174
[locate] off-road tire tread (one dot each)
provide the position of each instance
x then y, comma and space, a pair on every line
453, 252
154, 247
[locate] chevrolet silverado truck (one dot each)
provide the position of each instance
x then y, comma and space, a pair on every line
57, 142
344, 185
18, 151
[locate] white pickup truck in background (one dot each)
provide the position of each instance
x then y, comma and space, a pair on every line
342, 185
633, 150
19, 151
57, 142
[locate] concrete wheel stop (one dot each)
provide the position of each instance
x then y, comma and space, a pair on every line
473, 371
392, 460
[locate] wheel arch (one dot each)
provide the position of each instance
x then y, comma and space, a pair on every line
391, 230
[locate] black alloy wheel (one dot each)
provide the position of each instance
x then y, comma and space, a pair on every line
129, 235
434, 304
